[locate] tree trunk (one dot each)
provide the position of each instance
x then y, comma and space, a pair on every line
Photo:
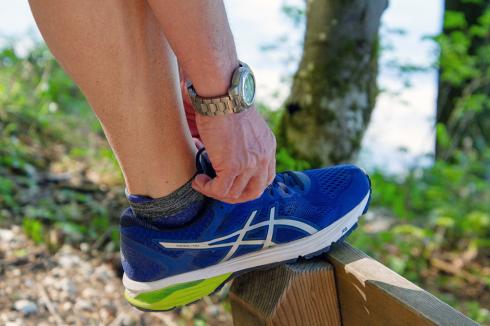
466, 128
334, 88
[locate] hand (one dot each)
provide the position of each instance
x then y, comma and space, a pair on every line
242, 150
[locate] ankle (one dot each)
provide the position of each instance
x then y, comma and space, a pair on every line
158, 186
181, 205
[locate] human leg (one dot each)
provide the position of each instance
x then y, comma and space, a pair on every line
116, 53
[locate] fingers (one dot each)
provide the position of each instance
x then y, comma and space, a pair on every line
271, 171
232, 189
214, 187
255, 187
239, 185
240, 188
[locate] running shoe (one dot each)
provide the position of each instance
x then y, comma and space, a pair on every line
301, 214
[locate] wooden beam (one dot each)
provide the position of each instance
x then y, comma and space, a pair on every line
371, 294
294, 294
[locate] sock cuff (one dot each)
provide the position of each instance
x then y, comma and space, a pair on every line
169, 205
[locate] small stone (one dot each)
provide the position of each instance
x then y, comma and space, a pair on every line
68, 261
85, 247
28, 283
102, 273
85, 269
212, 310
127, 320
110, 288
68, 287
83, 305
66, 306
6, 235
49, 281
104, 314
187, 313
14, 323
26, 307
89, 292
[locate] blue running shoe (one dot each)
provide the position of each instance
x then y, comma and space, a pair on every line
299, 215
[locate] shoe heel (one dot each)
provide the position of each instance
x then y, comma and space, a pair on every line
176, 295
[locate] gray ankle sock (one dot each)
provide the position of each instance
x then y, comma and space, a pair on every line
170, 205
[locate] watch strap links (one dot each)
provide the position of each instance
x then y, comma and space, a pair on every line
214, 106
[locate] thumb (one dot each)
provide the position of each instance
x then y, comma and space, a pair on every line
200, 182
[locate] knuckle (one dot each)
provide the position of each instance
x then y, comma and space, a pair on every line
233, 195
264, 151
250, 166
236, 166
264, 161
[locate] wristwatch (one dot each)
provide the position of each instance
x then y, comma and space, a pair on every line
240, 97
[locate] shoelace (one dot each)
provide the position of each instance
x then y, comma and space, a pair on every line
285, 181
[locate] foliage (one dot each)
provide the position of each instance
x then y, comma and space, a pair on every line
54, 163
439, 229
464, 77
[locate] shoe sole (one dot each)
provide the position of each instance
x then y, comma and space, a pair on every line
179, 290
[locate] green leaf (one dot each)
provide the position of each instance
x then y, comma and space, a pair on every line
454, 19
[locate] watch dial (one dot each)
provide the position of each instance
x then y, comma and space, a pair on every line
249, 89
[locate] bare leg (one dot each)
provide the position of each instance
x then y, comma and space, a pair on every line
116, 53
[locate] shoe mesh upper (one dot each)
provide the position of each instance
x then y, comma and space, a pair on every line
334, 180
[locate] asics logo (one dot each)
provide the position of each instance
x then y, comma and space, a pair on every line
234, 245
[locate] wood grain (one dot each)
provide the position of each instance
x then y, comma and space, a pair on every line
294, 294
371, 294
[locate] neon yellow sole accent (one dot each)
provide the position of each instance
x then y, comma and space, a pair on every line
176, 295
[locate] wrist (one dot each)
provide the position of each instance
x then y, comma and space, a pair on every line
215, 79
238, 97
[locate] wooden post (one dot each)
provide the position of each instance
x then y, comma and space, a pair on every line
294, 294
353, 289
369, 293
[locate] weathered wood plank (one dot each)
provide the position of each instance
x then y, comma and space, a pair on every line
371, 294
294, 294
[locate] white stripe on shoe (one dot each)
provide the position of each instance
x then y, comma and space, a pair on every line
234, 245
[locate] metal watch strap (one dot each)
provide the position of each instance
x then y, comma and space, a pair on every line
213, 106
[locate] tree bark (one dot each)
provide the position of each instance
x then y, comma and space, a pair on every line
334, 88
470, 130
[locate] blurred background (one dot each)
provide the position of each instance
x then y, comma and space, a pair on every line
405, 95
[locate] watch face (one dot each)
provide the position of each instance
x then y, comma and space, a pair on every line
248, 89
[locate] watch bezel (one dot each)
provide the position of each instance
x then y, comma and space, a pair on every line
237, 91
243, 81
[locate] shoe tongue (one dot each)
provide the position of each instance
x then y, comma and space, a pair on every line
203, 164
291, 178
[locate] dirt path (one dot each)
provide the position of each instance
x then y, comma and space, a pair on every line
77, 287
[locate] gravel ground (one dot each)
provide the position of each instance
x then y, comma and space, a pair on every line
77, 286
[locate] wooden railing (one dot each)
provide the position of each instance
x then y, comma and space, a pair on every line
345, 287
